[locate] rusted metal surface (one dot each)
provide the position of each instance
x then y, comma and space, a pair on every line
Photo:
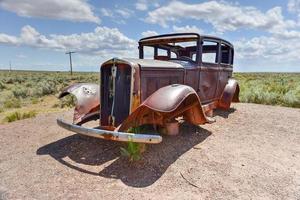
178, 100
230, 93
87, 101
110, 135
181, 82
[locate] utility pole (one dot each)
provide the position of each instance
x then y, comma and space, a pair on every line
9, 66
70, 55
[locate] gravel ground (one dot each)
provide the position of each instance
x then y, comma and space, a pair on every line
250, 152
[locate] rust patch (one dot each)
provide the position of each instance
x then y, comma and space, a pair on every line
108, 136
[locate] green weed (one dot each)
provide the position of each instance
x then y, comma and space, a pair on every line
132, 151
19, 116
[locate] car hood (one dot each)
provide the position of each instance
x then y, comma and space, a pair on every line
149, 63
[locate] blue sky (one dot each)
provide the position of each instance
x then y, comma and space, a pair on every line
35, 34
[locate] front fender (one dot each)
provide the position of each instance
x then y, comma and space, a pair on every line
230, 94
165, 105
87, 101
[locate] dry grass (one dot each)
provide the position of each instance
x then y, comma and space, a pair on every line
15, 116
270, 88
22, 91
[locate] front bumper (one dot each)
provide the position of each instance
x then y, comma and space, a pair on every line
110, 135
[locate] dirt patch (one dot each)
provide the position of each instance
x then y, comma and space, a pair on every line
250, 152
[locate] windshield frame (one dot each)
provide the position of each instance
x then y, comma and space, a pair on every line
164, 41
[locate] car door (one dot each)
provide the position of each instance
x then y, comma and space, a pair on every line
226, 61
209, 70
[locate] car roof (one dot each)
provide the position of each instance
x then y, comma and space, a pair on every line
181, 37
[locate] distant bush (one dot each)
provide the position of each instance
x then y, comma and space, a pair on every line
270, 88
19, 116
34, 100
20, 92
67, 101
44, 88
2, 86
12, 103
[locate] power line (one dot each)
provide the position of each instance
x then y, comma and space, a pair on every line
70, 55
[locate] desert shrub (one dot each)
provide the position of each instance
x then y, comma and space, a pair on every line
34, 100
19, 116
47, 88
29, 84
292, 98
44, 88
12, 103
13, 79
2, 86
270, 88
20, 92
67, 101
8, 80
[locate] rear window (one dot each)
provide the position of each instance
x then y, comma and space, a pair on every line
225, 54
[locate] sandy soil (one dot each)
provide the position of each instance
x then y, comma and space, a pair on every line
250, 152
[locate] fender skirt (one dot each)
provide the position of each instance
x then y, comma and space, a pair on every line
230, 94
87, 106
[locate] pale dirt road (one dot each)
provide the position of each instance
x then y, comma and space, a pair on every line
251, 152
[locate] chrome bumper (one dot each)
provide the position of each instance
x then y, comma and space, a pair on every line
110, 135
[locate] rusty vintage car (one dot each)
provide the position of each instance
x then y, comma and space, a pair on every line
177, 76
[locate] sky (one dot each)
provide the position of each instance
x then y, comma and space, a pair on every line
35, 34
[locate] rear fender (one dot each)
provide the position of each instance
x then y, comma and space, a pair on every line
87, 106
230, 94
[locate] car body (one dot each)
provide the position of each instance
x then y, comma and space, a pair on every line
177, 76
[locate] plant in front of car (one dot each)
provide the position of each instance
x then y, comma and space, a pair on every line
132, 151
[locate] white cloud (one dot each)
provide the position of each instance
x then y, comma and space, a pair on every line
141, 5
187, 29
117, 15
72, 10
294, 6
102, 41
8, 39
149, 33
222, 15
106, 12
267, 54
125, 13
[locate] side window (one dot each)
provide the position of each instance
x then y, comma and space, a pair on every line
173, 55
225, 53
209, 52
194, 56
232, 53
162, 52
148, 52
